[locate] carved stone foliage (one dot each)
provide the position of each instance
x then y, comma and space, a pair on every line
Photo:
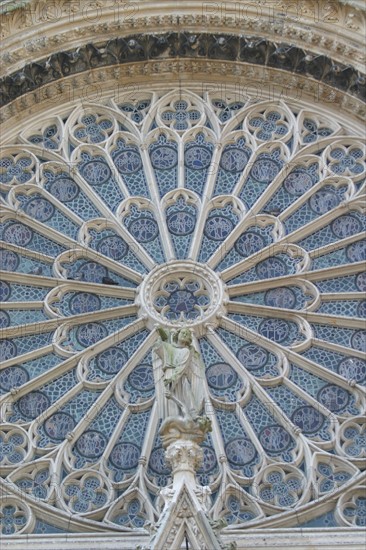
173, 45
242, 222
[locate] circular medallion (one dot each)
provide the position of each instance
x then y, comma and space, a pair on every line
111, 360
361, 309
240, 451
84, 302
19, 234
249, 243
353, 368
298, 182
157, 462
5, 291
197, 158
265, 170
9, 260
218, 228
209, 460
181, 293
234, 159
91, 444
90, 333
221, 376
274, 329
271, 268
323, 200
274, 439
358, 340
333, 397
91, 272
8, 350
96, 172
33, 404
252, 357
308, 419
64, 189
58, 425
113, 247
280, 297
181, 223
4, 319
125, 456
128, 161
164, 157
40, 209
144, 230
356, 252
13, 377
141, 378
361, 281
346, 226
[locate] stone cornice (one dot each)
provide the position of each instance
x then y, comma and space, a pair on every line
39, 27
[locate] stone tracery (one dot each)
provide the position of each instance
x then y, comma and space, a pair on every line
249, 229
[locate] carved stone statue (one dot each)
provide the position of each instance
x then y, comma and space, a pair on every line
183, 378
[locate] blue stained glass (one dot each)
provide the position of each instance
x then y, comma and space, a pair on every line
158, 470
344, 308
16, 171
13, 261
294, 185
124, 457
234, 159
222, 379
274, 438
23, 344
313, 131
265, 168
12, 377
93, 272
110, 244
181, 115
87, 334
249, 242
274, 266
144, 228
218, 226
281, 297
21, 235
45, 212
21, 292
67, 191
197, 160
109, 362
351, 368
31, 405
128, 162
277, 330
226, 110
240, 451
50, 138
319, 203
19, 374
181, 221
347, 337
136, 111
347, 225
14, 317
335, 398
257, 360
93, 441
96, 172
164, 160
343, 161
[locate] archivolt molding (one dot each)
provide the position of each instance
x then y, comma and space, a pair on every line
320, 26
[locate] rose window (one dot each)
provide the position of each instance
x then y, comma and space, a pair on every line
244, 223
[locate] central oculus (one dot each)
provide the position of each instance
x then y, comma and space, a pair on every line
181, 293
